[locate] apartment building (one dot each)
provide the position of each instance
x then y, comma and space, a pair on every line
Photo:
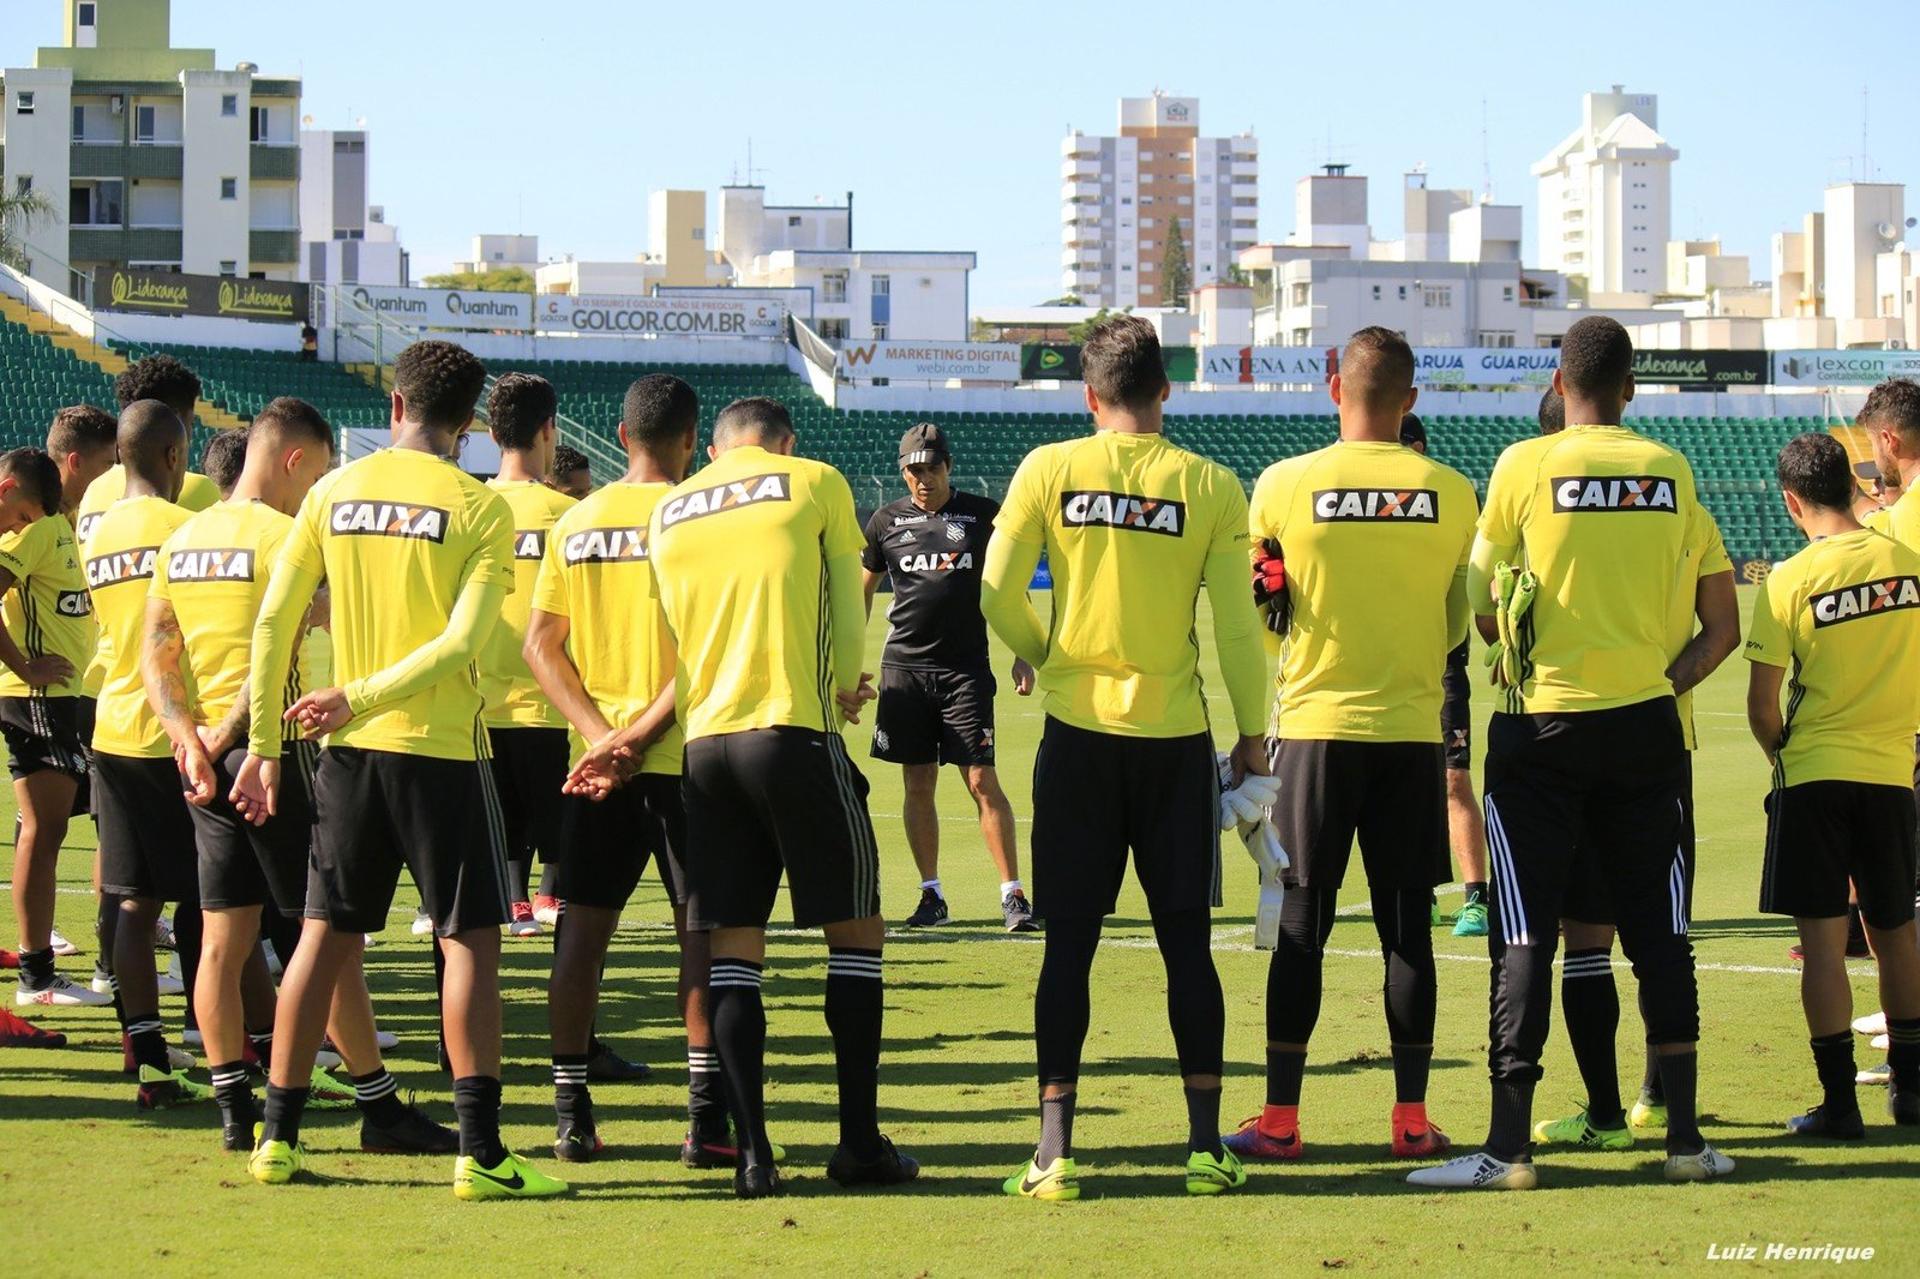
1606, 197
344, 239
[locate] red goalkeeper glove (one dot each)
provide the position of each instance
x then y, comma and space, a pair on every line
1270, 586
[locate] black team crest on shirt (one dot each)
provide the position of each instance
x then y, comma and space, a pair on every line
1080, 508
1830, 608
1336, 506
229, 564
122, 566
529, 543
721, 498
605, 546
1575, 493
389, 519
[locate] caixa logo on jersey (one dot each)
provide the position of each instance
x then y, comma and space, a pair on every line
1081, 509
730, 496
605, 546
1574, 493
1335, 506
389, 519
226, 564
84, 529
934, 562
1830, 608
529, 543
133, 565
73, 604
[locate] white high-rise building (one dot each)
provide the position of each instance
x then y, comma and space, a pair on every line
343, 239
1121, 195
1606, 196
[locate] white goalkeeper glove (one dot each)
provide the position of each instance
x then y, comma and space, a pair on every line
1263, 845
1246, 803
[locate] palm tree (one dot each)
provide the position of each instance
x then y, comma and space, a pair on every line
18, 212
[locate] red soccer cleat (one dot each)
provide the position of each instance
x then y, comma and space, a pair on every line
1414, 1136
9, 958
16, 1032
1274, 1133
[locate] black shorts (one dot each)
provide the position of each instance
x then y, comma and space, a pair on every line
376, 811
241, 864
1098, 795
47, 734
934, 717
1590, 887
1456, 709
605, 844
146, 837
529, 764
1615, 781
771, 800
1392, 795
1822, 834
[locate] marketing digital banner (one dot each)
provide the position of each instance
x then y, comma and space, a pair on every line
931, 361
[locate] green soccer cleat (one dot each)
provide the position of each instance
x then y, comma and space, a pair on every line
1207, 1175
1472, 919
511, 1178
1576, 1130
324, 1092
1058, 1182
274, 1163
1648, 1116
1436, 918
161, 1090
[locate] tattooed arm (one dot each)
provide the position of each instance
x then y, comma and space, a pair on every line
160, 653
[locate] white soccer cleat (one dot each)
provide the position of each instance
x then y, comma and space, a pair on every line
60, 945
1880, 1076
422, 923
1477, 1171
1881, 1042
60, 993
173, 981
102, 981
327, 1059
192, 1037
163, 933
1705, 1166
178, 1059
1871, 1024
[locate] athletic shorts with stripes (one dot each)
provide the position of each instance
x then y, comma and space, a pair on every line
1823, 836
376, 811
773, 801
46, 734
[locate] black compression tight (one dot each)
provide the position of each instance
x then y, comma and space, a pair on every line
1400, 918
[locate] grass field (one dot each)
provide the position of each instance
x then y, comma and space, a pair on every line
120, 1191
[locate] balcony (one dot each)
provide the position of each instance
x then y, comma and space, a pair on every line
273, 163
273, 247
115, 244
1244, 191
1081, 257
1072, 168
1080, 190
1244, 168
117, 160
1080, 145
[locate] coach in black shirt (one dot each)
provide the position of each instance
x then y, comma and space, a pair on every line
936, 684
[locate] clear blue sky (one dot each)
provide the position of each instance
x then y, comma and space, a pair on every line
945, 120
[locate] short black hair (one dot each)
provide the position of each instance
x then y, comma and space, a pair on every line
1377, 364
162, 378
292, 418
81, 428
568, 459
1121, 362
440, 383
147, 429
38, 475
224, 457
1814, 468
660, 407
1412, 430
1596, 357
518, 406
1895, 405
761, 415
1553, 413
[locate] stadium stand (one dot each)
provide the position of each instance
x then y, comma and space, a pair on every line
36, 378
242, 382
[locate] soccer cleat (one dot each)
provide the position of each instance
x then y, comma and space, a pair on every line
327, 1093
511, 1178
1832, 1125
59, 993
1472, 920
102, 981
238, 1136
1880, 1043
888, 1167
932, 910
1058, 1182
275, 1163
546, 910
177, 1058
605, 1066
1648, 1115
422, 923
575, 1141
1436, 918
1880, 1076
162, 1090
1705, 1166
16, 1032
412, 1134
1272, 1134
1579, 1131
1207, 1175
10, 959
1477, 1171
1018, 914
1415, 1136
523, 923
1871, 1024
59, 944
385, 1040
716, 1149
757, 1181
163, 933
1903, 1106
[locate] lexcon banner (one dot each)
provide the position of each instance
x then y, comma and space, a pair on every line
1842, 368
931, 361
470, 309
679, 316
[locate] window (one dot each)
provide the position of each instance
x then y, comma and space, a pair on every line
84, 13
1403, 293
261, 129
229, 267
1376, 293
23, 102
1436, 296
882, 286
1126, 199
880, 332
1301, 294
143, 120
229, 188
699, 235
833, 286
1506, 293
833, 330
230, 104
23, 184
1493, 337
793, 219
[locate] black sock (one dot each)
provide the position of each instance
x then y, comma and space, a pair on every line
519, 870
1680, 1075
740, 1033
476, 1100
1590, 1003
284, 1108
262, 1041
149, 1042
1833, 1063
1508, 1136
549, 875
1411, 1066
1476, 890
571, 1100
855, 1009
706, 1094
36, 968
233, 1090
188, 928
378, 1095
1056, 1130
440, 1001
1903, 1052
106, 924
1285, 1069
1203, 1120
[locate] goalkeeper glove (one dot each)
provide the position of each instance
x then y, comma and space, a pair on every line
1263, 845
1270, 586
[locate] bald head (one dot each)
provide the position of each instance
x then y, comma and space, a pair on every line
153, 446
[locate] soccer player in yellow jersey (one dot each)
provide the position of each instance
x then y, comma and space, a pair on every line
757, 561
1844, 615
46, 716
1583, 545
1375, 538
528, 737
1134, 529
146, 837
418, 557
599, 645
569, 472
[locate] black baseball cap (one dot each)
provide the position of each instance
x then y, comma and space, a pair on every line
1412, 430
922, 444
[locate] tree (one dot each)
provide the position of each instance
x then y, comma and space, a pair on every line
1175, 274
1081, 331
511, 279
18, 213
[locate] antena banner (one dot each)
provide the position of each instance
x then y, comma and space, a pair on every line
604, 315
1433, 365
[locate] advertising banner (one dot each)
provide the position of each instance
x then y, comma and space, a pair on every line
931, 361
611, 316
1701, 370
469, 309
1842, 368
1484, 365
1049, 361
1267, 365
172, 293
